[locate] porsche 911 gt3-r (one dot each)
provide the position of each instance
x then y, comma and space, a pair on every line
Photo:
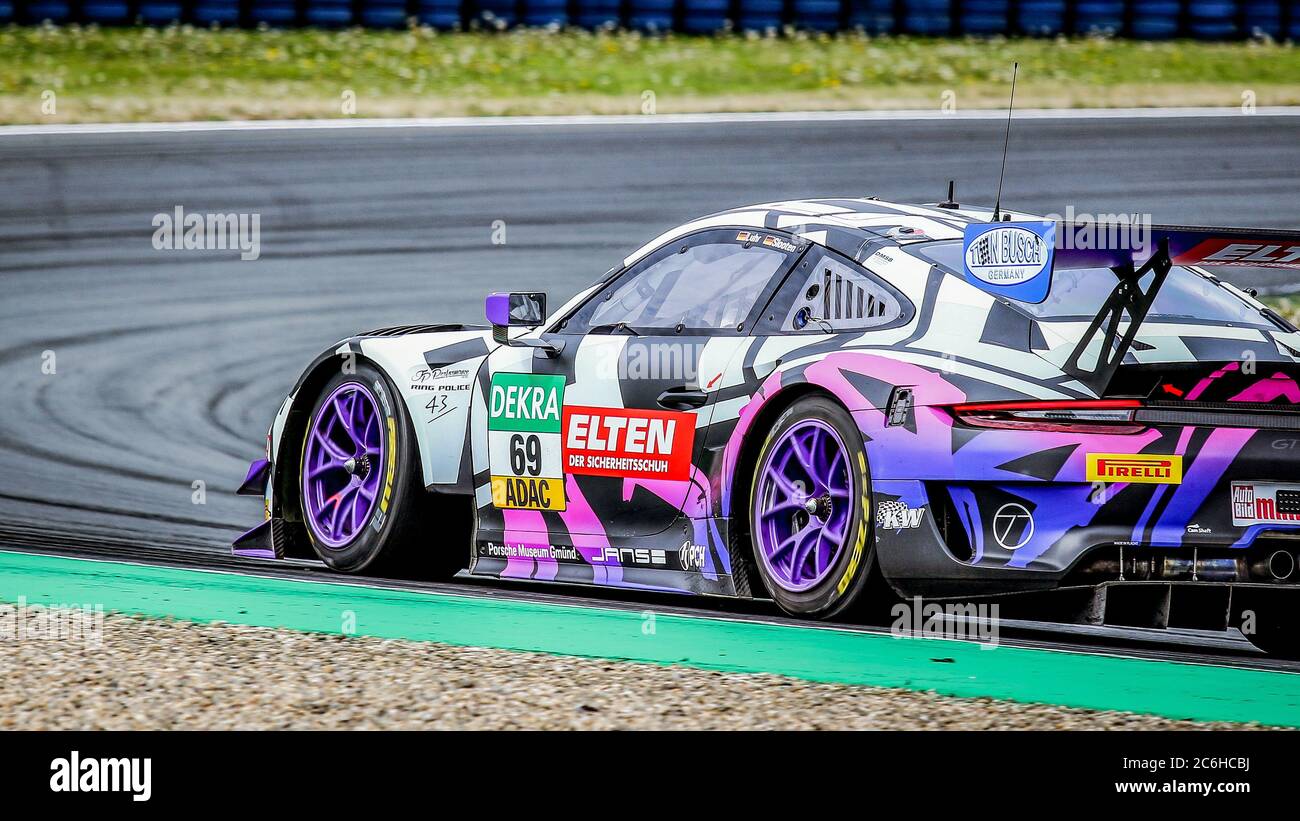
796, 400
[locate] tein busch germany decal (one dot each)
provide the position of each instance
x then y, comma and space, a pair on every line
641, 444
1011, 259
1138, 468
524, 441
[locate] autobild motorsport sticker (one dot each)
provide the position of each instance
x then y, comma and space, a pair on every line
1265, 503
524, 450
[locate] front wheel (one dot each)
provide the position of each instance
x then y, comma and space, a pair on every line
362, 496
810, 510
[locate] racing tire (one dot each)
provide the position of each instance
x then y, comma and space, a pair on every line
810, 511
360, 484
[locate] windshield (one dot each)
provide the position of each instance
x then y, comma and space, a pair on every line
706, 286
708, 282
1186, 296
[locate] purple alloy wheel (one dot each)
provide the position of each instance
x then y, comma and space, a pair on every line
342, 465
805, 492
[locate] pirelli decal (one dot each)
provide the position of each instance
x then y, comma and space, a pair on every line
1135, 468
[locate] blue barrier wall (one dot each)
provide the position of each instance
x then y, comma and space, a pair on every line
649, 15
213, 12
1140, 19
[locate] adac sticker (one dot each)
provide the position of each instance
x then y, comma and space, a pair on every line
1011, 259
524, 413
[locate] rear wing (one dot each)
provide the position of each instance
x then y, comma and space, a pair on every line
1244, 247
1016, 260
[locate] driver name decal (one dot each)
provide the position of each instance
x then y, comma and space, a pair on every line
524, 441
641, 444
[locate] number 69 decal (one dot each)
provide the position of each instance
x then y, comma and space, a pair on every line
524, 452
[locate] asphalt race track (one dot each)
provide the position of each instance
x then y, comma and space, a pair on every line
170, 364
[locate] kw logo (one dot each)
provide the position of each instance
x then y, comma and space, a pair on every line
1139, 468
898, 516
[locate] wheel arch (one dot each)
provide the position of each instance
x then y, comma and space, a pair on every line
751, 444
761, 423
453, 512
777, 393
287, 446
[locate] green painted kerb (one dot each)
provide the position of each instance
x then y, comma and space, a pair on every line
947, 667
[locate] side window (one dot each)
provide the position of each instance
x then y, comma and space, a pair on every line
707, 282
834, 296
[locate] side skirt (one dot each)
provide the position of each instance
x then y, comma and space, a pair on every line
664, 563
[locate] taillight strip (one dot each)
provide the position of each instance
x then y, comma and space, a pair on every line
1109, 415
1045, 404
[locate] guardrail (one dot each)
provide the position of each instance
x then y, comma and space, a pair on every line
1140, 19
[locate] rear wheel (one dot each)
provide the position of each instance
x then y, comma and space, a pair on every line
363, 500
810, 510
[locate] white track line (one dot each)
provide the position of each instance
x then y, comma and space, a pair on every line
643, 120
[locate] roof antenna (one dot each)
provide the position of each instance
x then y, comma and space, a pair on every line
997, 204
949, 203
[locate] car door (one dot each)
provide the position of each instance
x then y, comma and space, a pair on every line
608, 429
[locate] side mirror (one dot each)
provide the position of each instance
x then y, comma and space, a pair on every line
516, 309
519, 310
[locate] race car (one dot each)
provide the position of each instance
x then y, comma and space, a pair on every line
829, 403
